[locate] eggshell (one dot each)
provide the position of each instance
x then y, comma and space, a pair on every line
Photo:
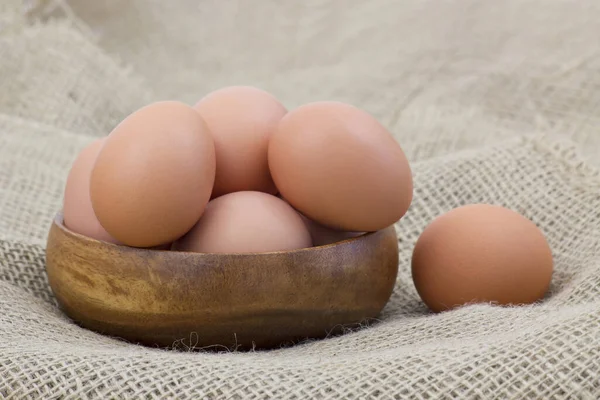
340, 167
78, 213
154, 176
322, 235
481, 253
246, 222
241, 120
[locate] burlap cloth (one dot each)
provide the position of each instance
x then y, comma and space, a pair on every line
493, 102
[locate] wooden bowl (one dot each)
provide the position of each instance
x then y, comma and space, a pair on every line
197, 300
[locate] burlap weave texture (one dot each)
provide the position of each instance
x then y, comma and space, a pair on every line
492, 103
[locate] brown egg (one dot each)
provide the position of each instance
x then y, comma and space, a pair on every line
481, 253
340, 167
77, 207
154, 176
241, 120
322, 235
246, 222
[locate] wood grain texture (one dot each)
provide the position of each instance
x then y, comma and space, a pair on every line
164, 298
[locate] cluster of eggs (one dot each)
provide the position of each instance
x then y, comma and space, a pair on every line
238, 173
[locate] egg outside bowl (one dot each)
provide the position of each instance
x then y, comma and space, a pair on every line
198, 300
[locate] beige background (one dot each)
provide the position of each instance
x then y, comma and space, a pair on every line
494, 102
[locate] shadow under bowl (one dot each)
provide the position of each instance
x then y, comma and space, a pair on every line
197, 300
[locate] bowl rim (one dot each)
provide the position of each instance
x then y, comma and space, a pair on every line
58, 221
